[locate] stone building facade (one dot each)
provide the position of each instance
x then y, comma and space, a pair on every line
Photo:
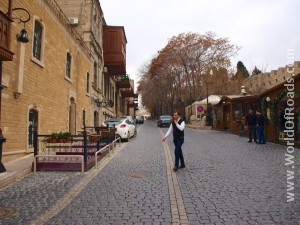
47, 85
257, 84
88, 20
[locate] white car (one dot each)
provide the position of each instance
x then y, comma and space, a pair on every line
125, 128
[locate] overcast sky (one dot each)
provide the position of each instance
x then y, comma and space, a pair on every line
265, 29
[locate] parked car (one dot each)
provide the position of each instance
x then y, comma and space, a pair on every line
125, 128
164, 120
130, 118
139, 119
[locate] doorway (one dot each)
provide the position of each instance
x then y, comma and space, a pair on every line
32, 126
96, 119
72, 116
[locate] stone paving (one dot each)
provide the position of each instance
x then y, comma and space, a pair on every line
115, 197
34, 194
230, 181
226, 181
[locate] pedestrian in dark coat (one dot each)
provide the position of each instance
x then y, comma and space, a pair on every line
260, 126
251, 125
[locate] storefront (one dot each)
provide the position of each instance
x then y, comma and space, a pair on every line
229, 114
276, 104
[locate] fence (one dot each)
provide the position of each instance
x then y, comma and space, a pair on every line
60, 153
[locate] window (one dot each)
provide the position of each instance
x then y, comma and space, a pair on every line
68, 65
88, 83
37, 40
95, 75
237, 111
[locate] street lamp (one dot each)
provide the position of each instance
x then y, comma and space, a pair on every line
23, 36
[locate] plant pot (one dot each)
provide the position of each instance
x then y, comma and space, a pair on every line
94, 138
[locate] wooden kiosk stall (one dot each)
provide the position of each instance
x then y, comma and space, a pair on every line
274, 102
229, 113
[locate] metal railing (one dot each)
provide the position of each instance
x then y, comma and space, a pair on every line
63, 150
52, 4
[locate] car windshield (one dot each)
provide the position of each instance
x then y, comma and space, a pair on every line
113, 122
165, 117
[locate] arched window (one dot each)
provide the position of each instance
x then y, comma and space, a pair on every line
88, 83
68, 65
37, 40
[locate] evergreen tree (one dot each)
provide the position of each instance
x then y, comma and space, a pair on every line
256, 71
241, 70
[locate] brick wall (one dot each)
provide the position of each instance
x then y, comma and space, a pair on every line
45, 88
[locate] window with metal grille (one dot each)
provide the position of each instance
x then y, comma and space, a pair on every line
88, 83
95, 75
37, 40
68, 65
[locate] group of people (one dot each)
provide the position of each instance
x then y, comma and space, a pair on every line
255, 122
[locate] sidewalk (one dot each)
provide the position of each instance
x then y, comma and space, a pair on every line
15, 170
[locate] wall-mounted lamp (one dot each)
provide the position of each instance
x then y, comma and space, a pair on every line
268, 99
23, 36
104, 103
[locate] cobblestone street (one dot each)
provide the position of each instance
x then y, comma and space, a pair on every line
226, 181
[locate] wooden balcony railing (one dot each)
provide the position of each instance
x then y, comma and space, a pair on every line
5, 53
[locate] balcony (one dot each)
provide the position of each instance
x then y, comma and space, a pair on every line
114, 49
5, 53
122, 82
132, 105
128, 94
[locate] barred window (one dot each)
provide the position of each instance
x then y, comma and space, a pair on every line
87, 83
68, 65
37, 40
95, 75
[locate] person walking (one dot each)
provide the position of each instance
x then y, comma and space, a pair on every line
177, 128
260, 121
251, 125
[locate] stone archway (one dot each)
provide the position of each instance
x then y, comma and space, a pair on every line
72, 116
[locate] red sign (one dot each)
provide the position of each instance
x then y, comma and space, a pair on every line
200, 108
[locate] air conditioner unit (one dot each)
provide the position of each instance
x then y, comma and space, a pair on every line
73, 21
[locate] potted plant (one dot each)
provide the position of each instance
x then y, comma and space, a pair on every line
59, 137
94, 137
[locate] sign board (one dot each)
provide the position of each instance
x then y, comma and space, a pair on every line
200, 108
